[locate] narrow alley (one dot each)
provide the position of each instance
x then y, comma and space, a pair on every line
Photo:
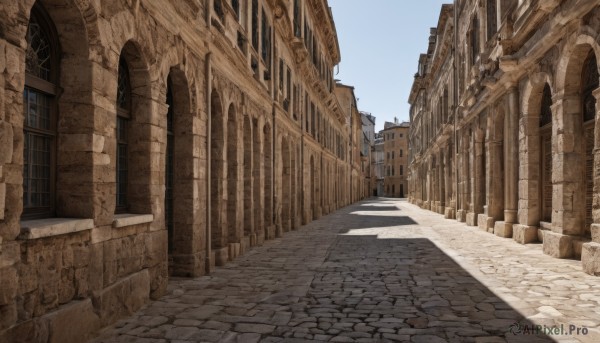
378, 271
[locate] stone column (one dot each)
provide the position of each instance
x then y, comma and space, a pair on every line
567, 213
442, 178
511, 172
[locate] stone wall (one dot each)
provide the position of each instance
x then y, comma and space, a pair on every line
256, 146
523, 141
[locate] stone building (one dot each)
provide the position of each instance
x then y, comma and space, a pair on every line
378, 162
368, 128
144, 139
504, 118
395, 149
355, 177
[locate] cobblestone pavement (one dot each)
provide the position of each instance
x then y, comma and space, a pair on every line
378, 271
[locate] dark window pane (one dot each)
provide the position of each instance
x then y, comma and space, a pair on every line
39, 52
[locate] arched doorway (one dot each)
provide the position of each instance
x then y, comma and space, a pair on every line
178, 183
545, 157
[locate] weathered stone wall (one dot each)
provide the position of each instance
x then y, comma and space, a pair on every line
525, 163
258, 144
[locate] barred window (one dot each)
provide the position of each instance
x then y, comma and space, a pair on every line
123, 119
40, 114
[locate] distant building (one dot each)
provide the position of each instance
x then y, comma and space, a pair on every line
378, 162
395, 148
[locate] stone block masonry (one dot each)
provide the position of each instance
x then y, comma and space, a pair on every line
512, 124
141, 140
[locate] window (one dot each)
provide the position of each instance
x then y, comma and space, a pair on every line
589, 84
40, 116
218, 7
392, 155
401, 152
235, 4
474, 39
281, 75
123, 118
393, 171
546, 111
491, 19
297, 19
401, 135
266, 41
255, 24
401, 170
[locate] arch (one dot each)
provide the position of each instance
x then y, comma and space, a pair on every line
537, 134
179, 177
138, 132
234, 227
575, 178
72, 194
40, 95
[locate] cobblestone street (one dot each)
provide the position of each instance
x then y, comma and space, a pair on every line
378, 271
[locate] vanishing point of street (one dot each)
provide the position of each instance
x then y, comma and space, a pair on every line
381, 270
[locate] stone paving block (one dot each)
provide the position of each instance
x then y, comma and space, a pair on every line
375, 283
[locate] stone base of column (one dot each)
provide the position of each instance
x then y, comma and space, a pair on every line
441, 209
471, 219
252, 238
426, 205
188, 265
503, 229
485, 223
244, 244
461, 216
270, 232
449, 213
220, 256
590, 258
595, 233
234, 250
558, 245
525, 234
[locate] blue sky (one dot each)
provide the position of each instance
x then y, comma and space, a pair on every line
380, 43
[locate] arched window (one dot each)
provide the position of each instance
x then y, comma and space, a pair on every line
492, 19
589, 84
474, 39
40, 116
123, 119
546, 112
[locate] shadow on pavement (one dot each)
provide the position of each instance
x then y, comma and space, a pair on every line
412, 287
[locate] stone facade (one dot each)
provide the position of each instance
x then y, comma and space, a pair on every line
395, 149
145, 139
504, 118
